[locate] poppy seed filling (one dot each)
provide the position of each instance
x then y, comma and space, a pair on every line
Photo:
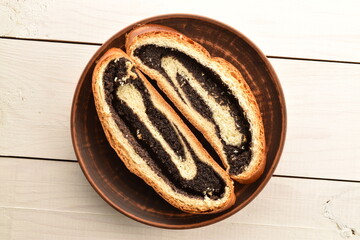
117, 83
197, 89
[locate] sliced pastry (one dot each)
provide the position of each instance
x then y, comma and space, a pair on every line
153, 141
209, 91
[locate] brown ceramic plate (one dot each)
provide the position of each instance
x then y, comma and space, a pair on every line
129, 194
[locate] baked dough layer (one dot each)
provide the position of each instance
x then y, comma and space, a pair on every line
186, 72
152, 140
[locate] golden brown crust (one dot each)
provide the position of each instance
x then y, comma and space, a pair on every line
125, 151
164, 36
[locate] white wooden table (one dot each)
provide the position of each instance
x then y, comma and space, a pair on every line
314, 47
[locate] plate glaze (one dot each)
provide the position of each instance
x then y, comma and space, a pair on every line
129, 194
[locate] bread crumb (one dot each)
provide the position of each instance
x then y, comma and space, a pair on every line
138, 134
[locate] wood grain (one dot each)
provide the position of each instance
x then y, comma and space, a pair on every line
44, 199
325, 30
322, 101
323, 106
51, 199
36, 89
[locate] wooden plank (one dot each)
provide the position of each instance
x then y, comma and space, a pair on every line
303, 29
51, 199
56, 225
323, 107
36, 89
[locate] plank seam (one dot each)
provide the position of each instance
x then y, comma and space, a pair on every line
99, 44
38, 158
317, 178
274, 175
51, 41
311, 59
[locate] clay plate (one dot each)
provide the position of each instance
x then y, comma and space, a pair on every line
130, 195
